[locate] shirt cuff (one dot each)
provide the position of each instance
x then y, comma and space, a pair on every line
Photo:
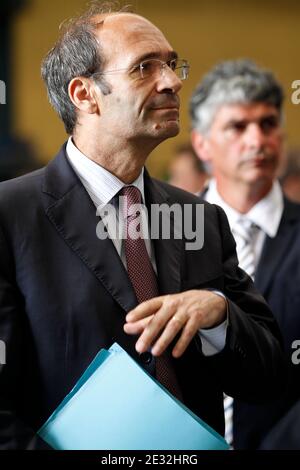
213, 339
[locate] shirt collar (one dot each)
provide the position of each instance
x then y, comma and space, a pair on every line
101, 185
266, 214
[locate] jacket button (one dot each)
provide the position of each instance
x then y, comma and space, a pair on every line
146, 357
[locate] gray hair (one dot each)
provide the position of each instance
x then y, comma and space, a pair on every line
232, 82
76, 53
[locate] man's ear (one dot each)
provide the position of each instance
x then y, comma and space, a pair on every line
82, 95
201, 145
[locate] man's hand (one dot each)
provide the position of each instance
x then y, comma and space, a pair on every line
160, 319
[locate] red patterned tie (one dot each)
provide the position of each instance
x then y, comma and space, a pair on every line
142, 275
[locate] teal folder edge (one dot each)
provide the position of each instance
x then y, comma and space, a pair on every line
100, 357
104, 355
190, 412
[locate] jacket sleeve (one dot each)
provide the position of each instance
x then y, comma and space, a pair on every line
14, 433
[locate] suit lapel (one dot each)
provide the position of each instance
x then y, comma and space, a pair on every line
73, 214
274, 249
167, 252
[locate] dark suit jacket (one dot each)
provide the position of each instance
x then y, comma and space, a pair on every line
64, 295
285, 434
278, 279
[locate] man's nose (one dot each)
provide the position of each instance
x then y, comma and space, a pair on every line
254, 136
168, 80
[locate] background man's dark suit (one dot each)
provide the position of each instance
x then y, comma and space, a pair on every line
64, 294
278, 279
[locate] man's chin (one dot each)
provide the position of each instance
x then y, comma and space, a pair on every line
260, 179
168, 128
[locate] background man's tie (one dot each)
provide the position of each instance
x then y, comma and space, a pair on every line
244, 233
143, 277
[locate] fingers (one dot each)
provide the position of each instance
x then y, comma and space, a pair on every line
189, 331
159, 320
174, 325
135, 328
157, 324
145, 309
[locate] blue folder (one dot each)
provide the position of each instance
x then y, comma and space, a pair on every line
116, 405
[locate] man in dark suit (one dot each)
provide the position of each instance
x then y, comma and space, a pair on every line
65, 288
237, 128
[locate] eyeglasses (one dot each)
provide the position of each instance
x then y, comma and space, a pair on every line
155, 67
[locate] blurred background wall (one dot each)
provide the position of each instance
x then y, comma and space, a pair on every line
203, 31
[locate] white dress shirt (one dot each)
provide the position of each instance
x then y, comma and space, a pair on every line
102, 186
266, 214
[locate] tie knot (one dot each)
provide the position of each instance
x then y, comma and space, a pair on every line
132, 202
246, 229
132, 195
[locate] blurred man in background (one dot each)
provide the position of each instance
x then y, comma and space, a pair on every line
187, 171
236, 114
